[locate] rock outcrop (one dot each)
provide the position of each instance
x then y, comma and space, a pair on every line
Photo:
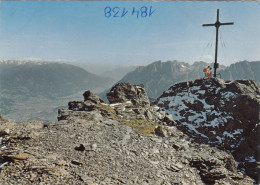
98, 143
89, 96
224, 114
124, 92
129, 104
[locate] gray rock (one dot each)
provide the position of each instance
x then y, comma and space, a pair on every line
86, 147
148, 114
86, 179
160, 131
89, 96
168, 119
123, 92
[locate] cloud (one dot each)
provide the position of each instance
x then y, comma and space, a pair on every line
206, 58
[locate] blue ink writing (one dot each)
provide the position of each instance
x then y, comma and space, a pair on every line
151, 12
107, 12
124, 12
144, 11
135, 12
116, 12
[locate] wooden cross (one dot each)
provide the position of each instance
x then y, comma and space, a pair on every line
217, 25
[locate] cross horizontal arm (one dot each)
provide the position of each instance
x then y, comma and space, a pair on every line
227, 23
208, 24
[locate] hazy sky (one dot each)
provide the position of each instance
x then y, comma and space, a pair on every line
80, 31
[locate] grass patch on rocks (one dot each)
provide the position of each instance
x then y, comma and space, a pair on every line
144, 127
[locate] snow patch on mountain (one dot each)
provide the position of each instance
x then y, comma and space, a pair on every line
178, 104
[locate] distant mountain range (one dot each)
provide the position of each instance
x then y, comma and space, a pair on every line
242, 70
23, 84
159, 76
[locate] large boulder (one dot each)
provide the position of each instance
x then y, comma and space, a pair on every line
91, 102
123, 92
92, 97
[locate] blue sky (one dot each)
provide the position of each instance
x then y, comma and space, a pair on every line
79, 31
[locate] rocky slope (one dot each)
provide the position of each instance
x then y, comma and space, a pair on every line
125, 142
224, 114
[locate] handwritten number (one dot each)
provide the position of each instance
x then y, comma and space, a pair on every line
137, 12
151, 12
144, 11
107, 12
124, 12
116, 11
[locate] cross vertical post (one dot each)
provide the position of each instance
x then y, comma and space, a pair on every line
217, 24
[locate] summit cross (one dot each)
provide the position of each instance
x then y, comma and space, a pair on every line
217, 24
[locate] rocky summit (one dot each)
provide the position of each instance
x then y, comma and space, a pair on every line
123, 142
223, 114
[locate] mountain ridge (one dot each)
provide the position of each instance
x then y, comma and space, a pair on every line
53, 77
242, 70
